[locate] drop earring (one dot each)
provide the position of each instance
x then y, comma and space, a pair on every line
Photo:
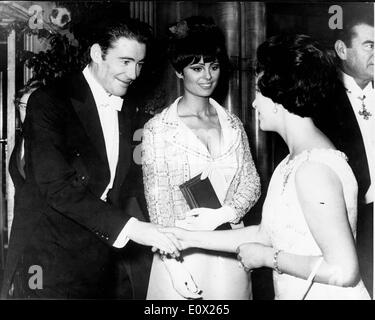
275, 109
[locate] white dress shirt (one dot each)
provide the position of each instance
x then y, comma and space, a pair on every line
367, 127
108, 107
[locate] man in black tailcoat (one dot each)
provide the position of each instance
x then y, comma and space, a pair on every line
69, 227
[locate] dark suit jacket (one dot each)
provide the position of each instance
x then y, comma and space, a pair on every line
338, 121
16, 168
61, 224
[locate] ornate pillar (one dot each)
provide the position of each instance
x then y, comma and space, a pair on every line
11, 122
143, 10
227, 17
166, 13
253, 30
3, 211
29, 45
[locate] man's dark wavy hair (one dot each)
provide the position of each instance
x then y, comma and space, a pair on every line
295, 71
108, 32
354, 15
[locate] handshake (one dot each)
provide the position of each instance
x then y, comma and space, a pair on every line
163, 240
173, 240
170, 241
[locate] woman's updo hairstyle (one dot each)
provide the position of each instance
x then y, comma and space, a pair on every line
193, 38
296, 72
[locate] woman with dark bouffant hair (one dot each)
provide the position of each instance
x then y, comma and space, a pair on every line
307, 232
196, 137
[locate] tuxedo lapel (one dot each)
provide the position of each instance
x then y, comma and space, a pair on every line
346, 114
124, 160
352, 143
85, 107
124, 148
351, 133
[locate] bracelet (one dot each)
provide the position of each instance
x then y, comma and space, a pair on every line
275, 262
164, 257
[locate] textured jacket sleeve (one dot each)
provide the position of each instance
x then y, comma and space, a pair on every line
155, 177
245, 188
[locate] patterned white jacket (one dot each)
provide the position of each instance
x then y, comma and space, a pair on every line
171, 155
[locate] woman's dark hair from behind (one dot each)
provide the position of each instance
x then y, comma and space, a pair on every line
295, 71
196, 37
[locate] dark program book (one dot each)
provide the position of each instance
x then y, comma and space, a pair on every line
200, 194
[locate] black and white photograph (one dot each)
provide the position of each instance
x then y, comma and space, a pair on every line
197, 151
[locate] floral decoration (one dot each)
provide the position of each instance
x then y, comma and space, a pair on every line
60, 17
180, 30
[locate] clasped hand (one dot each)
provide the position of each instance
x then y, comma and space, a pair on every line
203, 219
149, 234
252, 255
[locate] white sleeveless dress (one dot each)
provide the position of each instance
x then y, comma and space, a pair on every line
284, 222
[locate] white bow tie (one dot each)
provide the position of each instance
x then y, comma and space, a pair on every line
114, 102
